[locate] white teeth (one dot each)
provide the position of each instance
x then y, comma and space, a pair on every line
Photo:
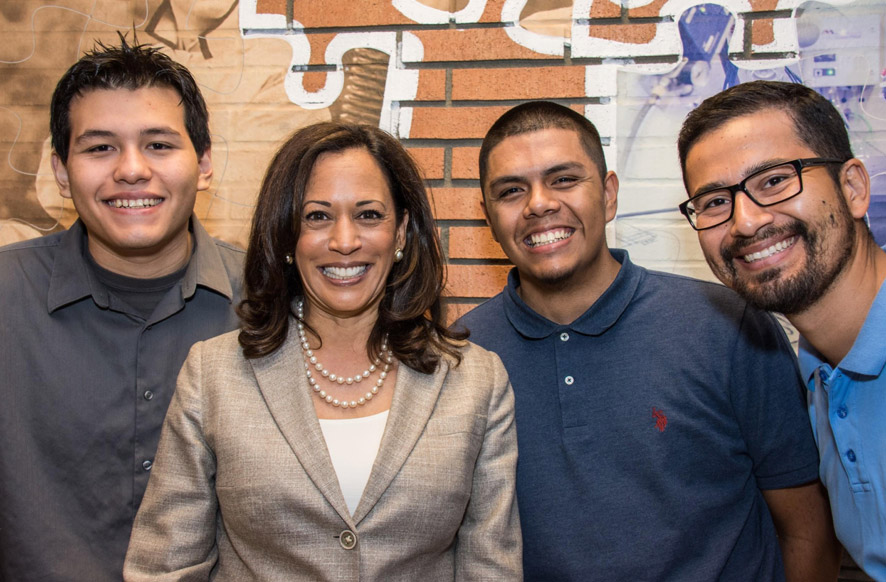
137, 203
546, 238
769, 251
344, 272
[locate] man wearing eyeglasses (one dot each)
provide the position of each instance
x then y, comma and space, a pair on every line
779, 204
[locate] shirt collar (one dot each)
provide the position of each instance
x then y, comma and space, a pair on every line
866, 357
72, 279
597, 319
206, 268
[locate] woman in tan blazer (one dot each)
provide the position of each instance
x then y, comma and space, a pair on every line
275, 466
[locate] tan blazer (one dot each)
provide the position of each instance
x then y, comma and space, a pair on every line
243, 487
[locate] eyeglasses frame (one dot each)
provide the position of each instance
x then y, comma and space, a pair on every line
799, 165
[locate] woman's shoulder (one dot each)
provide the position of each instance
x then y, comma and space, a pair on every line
474, 358
221, 347
222, 342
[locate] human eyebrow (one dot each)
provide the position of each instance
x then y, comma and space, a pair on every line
502, 180
160, 132
564, 167
371, 201
92, 135
749, 171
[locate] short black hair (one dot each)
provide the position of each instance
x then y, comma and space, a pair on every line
536, 116
128, 66
817, 122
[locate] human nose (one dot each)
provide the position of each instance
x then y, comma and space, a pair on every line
542, 200
345, 237
132, 167
747, 216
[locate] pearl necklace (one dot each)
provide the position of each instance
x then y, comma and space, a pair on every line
311, 361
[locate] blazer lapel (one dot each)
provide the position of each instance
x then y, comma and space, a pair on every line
282, 382
415, 396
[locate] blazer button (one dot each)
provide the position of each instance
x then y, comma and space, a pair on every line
347, 539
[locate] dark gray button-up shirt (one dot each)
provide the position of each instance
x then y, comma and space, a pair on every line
84, 386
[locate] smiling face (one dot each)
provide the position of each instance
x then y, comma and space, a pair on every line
548, 207
784, 257
133, 175
349, 233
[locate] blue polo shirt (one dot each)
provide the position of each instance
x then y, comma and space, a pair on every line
647, 429
847, 406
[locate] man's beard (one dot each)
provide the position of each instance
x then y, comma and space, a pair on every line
557, 278
771, 290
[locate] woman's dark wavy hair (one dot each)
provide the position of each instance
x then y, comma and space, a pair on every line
128, 66
410, 311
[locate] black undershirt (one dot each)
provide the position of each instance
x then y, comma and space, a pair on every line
142, 295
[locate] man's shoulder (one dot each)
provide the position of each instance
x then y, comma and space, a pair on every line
27, 255
686, 284
490, 311
690, 295
33, 245
232, 257
229, 250
488, 325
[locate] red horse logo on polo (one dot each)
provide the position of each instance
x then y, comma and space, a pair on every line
661, 421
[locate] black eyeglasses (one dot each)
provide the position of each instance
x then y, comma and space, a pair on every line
765, 187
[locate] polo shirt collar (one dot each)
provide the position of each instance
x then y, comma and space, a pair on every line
602, 315
867, 356
72, 279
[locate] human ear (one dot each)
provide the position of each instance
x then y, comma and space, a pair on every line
401, 230
610, 195
486, 216
205, 164
61, 175
855, 186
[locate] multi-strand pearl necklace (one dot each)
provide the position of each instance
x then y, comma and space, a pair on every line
311, 361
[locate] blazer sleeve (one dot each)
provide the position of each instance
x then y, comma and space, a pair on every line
174, 535
489, 544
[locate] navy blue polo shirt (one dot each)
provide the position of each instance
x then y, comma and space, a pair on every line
647, 429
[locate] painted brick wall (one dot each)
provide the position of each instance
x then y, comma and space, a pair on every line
455, 66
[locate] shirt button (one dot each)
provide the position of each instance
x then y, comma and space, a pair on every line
147, 465
347, 539
842, 412
148, 395
850, 454
569, 380
564, 337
